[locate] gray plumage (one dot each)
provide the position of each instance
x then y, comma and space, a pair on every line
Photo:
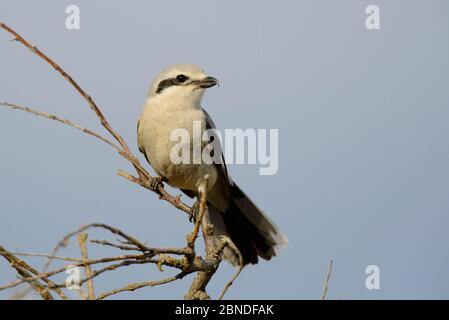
174, 101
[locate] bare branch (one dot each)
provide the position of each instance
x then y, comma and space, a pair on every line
197, 290
226, 242
186, 262
24, 270
164, 195
66, 76
25, 254
61, 120
114, 245
203, 200
326, 282
230, 282
139, 285
82, 238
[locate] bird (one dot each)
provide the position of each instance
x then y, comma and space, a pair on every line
174, 102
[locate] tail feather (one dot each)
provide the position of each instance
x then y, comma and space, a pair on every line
248, 227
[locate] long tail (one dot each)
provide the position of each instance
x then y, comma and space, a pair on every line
248, 227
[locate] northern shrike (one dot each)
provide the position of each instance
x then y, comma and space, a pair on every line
174, 102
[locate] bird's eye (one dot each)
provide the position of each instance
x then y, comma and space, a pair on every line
181, 78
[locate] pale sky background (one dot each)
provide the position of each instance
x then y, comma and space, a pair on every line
362, 117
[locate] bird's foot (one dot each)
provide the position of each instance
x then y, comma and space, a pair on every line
156, 183
194, 212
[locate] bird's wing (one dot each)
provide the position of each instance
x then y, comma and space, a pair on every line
221, 166
139, 144
223, 180
221, 189
141, 148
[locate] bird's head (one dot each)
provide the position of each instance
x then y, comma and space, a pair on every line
185, 81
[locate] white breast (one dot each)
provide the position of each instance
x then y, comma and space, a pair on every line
157, 122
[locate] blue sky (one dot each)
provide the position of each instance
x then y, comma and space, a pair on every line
362, 116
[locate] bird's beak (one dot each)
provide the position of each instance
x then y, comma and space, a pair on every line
208, 82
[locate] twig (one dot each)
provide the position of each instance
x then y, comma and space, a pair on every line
125, 151
61, 120
21, 270
230, 282
66, 76
64, 241
114, 245
326, 282
226, 242
24, 270
197, 290
188, 263
126, 260
139, 285
44, 255
163, 195
82, 238
143, 182
203, 200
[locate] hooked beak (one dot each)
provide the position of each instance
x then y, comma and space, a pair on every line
208, 82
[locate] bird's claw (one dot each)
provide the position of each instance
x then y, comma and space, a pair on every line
156, 183
194, 212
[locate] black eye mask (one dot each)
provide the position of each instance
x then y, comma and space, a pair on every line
164, 84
